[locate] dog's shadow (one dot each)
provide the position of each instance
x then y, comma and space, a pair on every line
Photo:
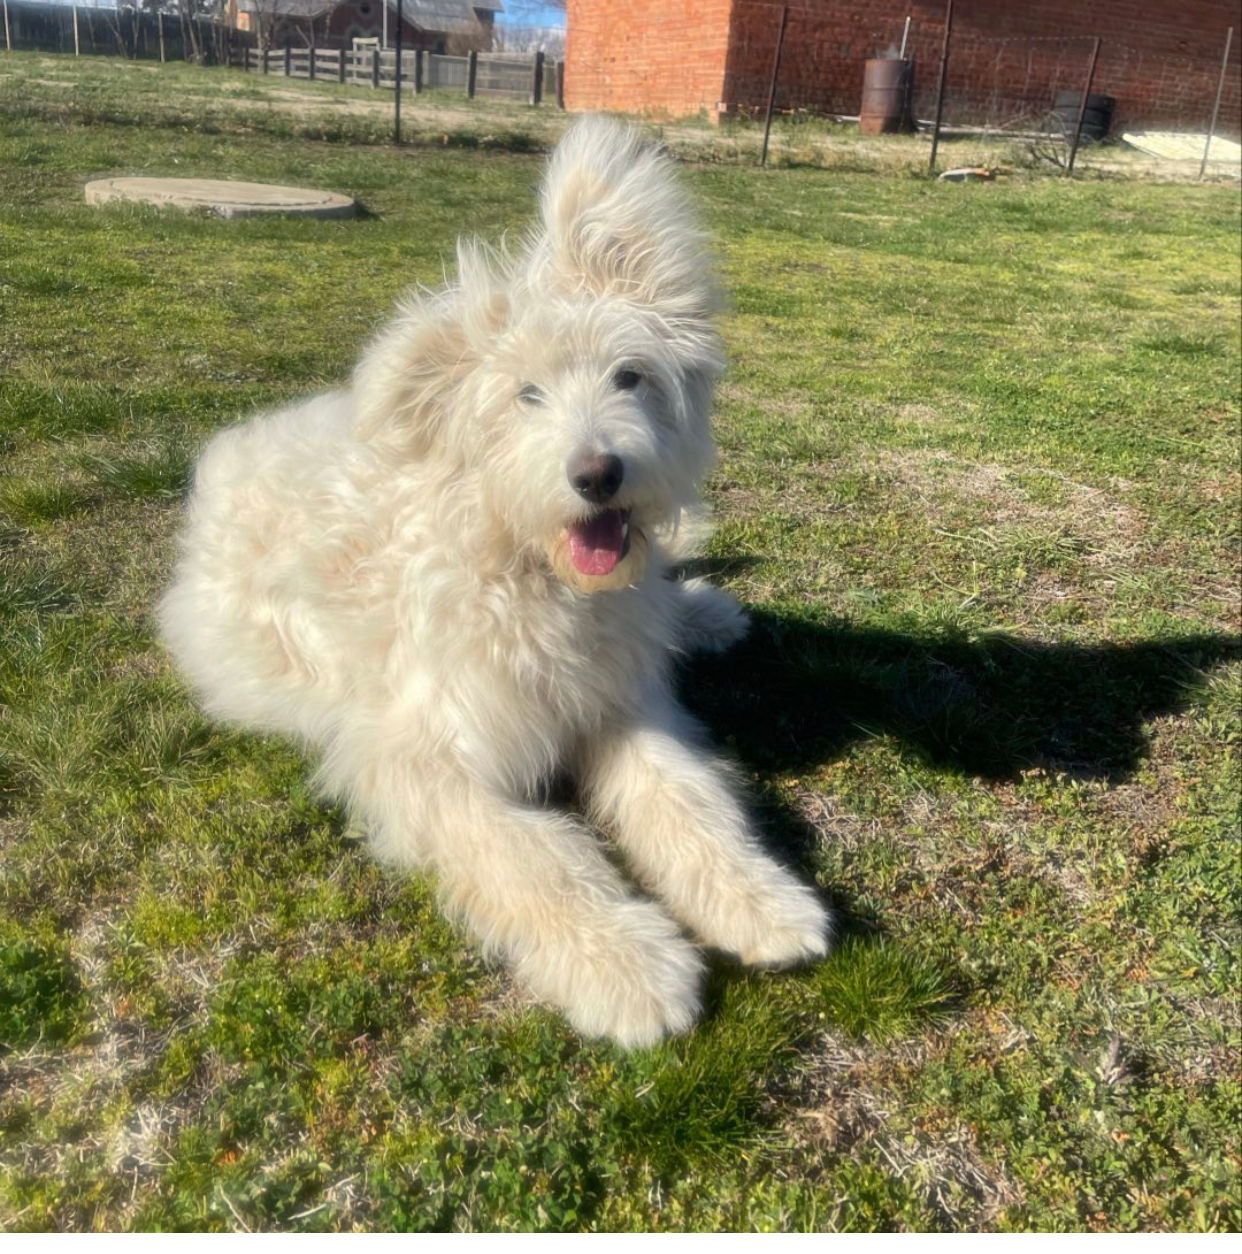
794, 694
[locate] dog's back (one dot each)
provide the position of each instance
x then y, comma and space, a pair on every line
244, 619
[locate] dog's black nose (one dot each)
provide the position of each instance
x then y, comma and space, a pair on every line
596, 476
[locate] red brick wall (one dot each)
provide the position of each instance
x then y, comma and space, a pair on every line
661, 57
1159, 59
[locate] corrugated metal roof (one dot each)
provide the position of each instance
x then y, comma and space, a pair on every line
286, 8
445, 15
454, 16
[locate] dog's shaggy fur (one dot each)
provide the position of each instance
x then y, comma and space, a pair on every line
452, 579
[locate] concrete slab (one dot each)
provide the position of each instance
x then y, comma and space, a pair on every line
228, 198
1175, 146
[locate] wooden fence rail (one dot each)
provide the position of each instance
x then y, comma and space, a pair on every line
533, 79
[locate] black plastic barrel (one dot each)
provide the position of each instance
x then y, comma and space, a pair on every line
1095, 121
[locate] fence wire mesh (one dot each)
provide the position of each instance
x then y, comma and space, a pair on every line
1009, 97
1012, 96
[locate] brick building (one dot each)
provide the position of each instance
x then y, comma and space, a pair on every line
675, 57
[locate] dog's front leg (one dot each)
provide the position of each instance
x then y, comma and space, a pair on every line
677, 818
534, 886
710, 620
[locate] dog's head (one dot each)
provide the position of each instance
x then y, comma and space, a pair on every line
572, 382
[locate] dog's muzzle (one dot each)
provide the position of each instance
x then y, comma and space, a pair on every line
600, 553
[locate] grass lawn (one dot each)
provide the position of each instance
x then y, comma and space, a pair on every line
979, 484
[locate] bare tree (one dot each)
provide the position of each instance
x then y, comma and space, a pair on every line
282, 19
264, 15
117, 20
523, 30
189, 11
190, 14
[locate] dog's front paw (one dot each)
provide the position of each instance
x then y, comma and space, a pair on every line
772, 922
792, 927
635, 983
712, 620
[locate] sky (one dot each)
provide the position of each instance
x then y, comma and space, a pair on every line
534, 13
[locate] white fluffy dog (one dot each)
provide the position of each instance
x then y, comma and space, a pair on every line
452, 579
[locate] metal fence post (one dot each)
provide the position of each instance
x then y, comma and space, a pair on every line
340, 65
1082, 107
560, 84
472, 73
396, 86
776, 72
944, 70
375, 68
1220, 87
288, 59
536, 81
418, 71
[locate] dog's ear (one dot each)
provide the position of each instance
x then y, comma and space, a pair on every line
616, 222
412, 374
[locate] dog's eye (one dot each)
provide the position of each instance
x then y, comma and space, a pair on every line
531, 395
626, 380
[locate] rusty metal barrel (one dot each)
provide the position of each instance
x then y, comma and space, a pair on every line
888, 89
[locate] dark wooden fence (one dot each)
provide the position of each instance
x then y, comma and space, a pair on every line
133, 33
532, 79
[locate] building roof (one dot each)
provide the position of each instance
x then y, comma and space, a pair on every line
286, 8
439, 15
450, 16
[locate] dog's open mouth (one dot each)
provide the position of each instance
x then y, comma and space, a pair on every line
603, 553
598, 545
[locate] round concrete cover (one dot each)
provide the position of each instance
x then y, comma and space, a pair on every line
225, 197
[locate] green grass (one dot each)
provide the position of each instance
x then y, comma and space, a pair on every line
978, 484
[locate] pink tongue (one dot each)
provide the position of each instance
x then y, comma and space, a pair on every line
595, 546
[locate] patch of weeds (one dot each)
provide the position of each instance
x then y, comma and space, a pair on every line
41, 997
71, 728
162, 924
882, 991
1096, 1150
1183, 345
153, 733
29, 590
495, 1103
30, 504
274, 1014
58, 407
700, 1099
1029, 549
163, 472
